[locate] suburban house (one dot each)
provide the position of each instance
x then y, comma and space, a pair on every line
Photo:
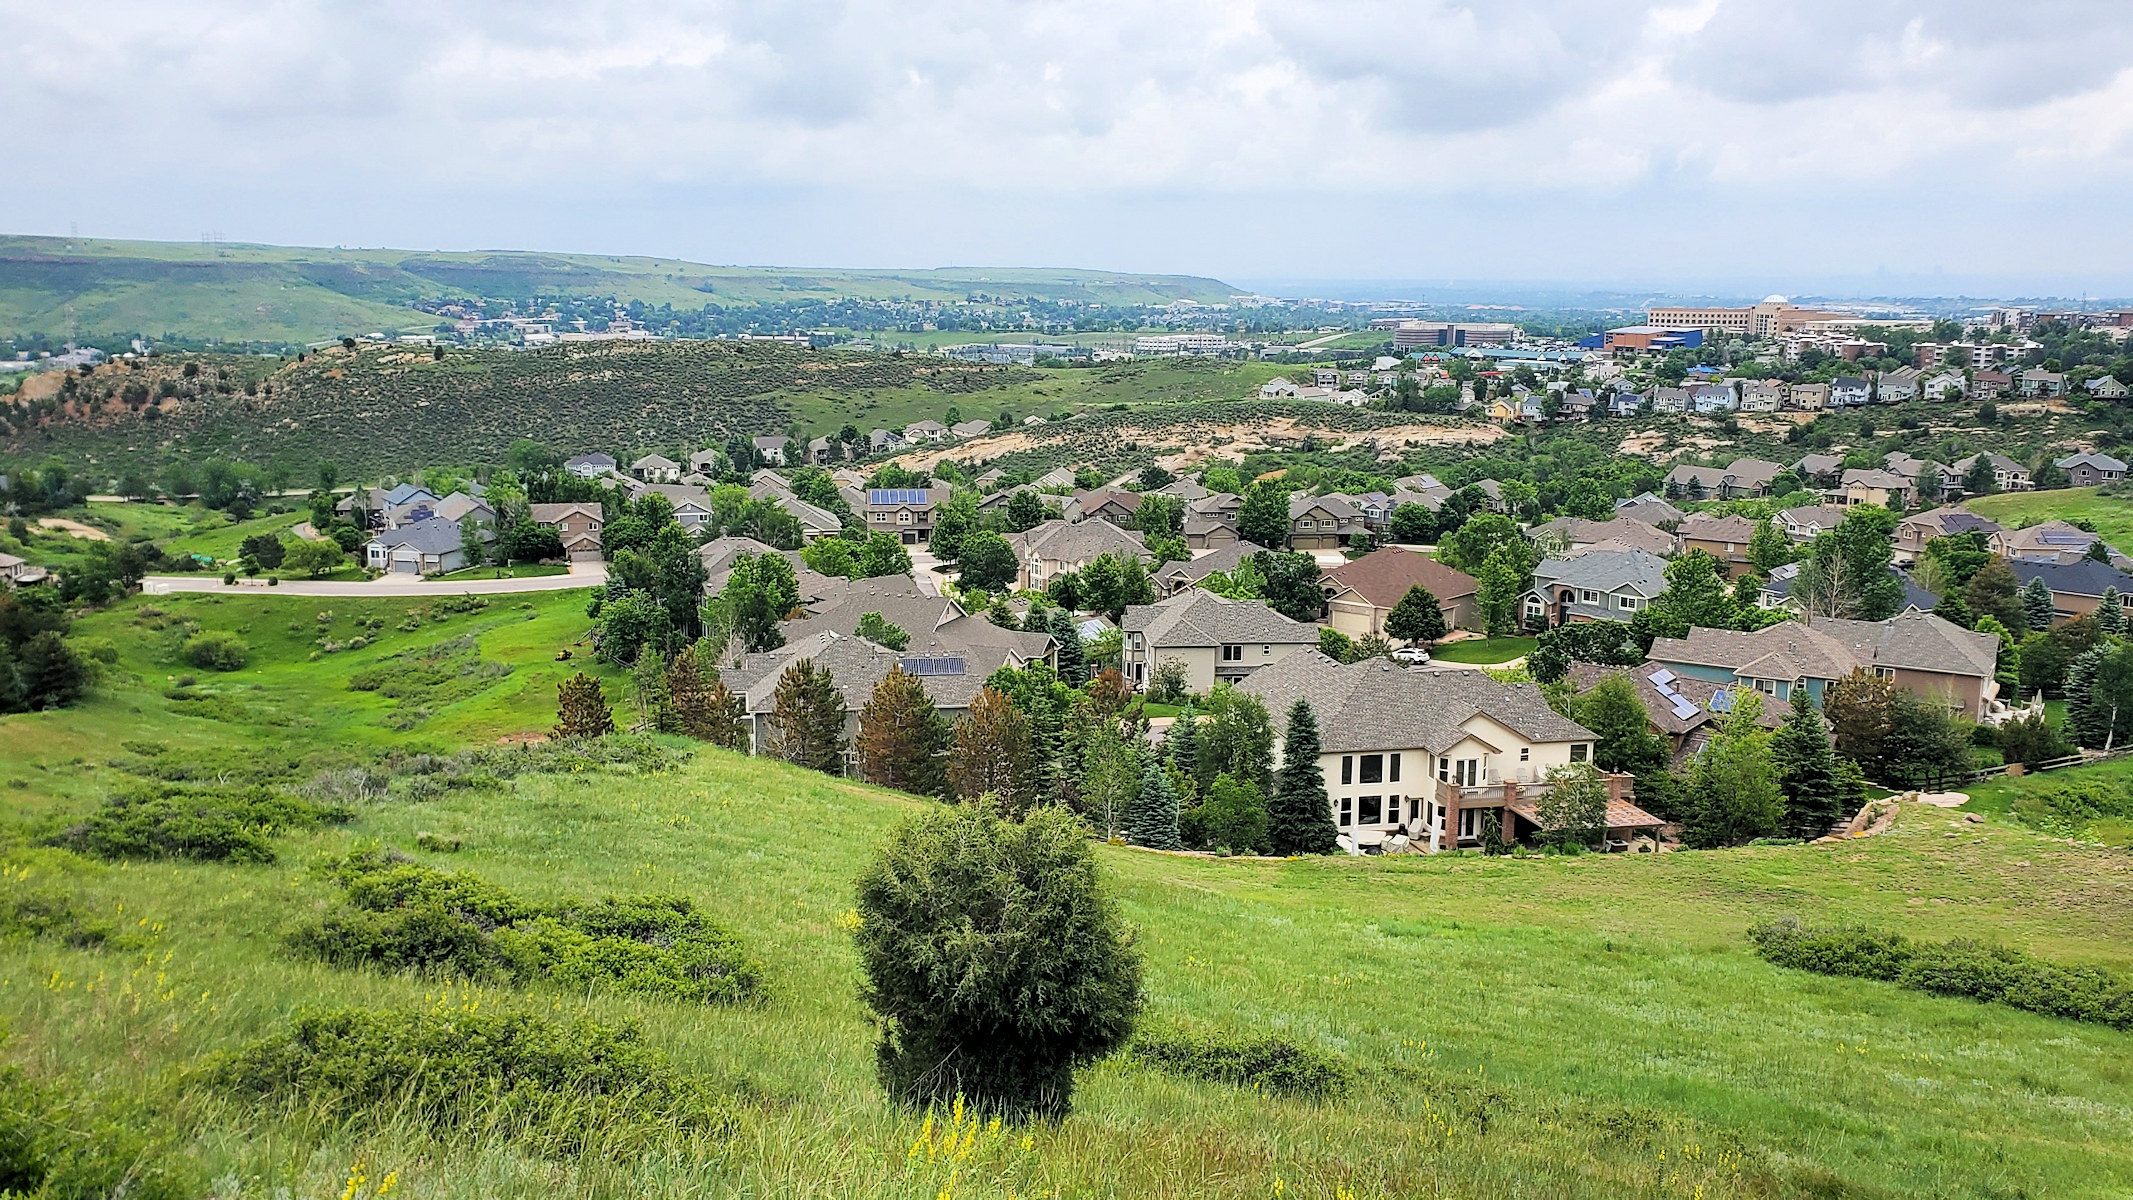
19, 573
2047, 541
1818, 468
1277, 388
1684, 710
971, 428
1362, 593
1322, 522
815, 521
1808, 521
1599, 585
1918, 651
407, 504
1106, 504
884, 439
1427, 759
430, 547
692, 505
1651, 510
1723, 538
2036, 381
906, 512
1569, 535
855, 666
704, 462
1058, 547
654, 468
1762, 395
1808, 397
577, 524
935, 624
771, 447
1867, 485
2107, 387
1897, 386
1846, 391
2007, 474
1987, 384
1174, 577
925, 431
2091, 469
1942, 385
1776, 591
1206, 531
1913, 532
1928, 479
1216, 639
590, 466
1743, 478
2077, 587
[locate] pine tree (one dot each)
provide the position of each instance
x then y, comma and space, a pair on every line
2111, 613
1073, 663
1300, 820
725, 721
1152, 818
2037, 604
807, 720
687, 695
992, 753
581, 711
901, 736
1807, 770
1182, 746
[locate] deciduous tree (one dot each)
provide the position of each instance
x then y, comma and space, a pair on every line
1417, 617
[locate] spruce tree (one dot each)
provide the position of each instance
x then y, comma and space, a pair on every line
2037, 604
992, 753
1300, 820
725, 717
1807, 770
2111, 613
901, 736
1152, 818
1073, 663
807, 722
1183, 743
581, 711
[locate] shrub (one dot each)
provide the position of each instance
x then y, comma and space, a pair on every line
994, 960
1262, 1063
57, 1146
209, 824
403, 916
214, 650
1993, 974
2069, 808
560, 1090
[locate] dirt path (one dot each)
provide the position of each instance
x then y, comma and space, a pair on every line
74, 528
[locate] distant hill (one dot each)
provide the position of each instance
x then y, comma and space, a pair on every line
292, 295
394, 408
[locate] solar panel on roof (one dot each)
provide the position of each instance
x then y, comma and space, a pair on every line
1662, 677
933, 666
1722, 700
897, 496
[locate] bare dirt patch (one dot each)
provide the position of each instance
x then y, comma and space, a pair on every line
1235, 440
74, 529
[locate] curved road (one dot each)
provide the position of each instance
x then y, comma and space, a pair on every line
582, 575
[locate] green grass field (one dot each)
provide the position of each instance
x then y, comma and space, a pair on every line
1581, 1026
2112, 515
1485, 651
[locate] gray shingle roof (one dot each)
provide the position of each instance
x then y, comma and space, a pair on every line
2086, 577
1076, 541
1228, 558
434, 536
1377, 705
1606, 571
1832, 649
1198, 618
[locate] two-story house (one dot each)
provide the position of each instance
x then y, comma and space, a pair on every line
1919, 652
1914, 531
1115, 505
2077, 587
1216, 640
590, 466
1598, 585
578, 525
1059, 547
1848, 391
1743, 478
1861, 485
1809, 521
1724, 538
656, 468
2007, 474
1428, 759
906, 512
2046, 541
1321, 522
2091, 469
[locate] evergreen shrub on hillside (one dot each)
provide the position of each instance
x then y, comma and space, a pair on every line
63, 1147
1264, 1062
558, 1089
209, 824
401, 916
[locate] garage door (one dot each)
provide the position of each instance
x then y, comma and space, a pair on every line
407, 566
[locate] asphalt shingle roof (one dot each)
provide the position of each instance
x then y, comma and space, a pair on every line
1377, 705
1198, 618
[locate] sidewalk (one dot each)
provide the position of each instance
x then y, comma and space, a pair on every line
582, 575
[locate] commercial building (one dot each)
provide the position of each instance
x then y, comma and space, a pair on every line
1413, 335
1775, 315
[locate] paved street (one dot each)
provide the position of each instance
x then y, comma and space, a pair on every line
582, 575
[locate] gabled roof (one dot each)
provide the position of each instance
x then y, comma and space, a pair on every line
433, 536
1384, 576
1950, 520
1377, 705
1193, 570
1704, 527
408, 493
1606, 571
1096, 498
458, 505
680, 494
549, 514
595, 459
855, 665
2085, 577
1832, 649
1648, 508
1197, 618
1816, 516
655, 462
2000, 462
1333, 506
1076, 541
1875, 478
2091, 460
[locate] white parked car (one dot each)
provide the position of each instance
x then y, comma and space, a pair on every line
1411, 655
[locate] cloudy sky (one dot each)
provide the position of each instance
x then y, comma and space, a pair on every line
1804, 145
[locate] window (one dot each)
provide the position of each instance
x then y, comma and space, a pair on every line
1588, 597
903, 518
1232, 652
1626, 603
1768, 687
1579, 752
1370, 810
1444, 770
1525, 754
1884, 673
1347, 812
1467, 825
1394, 775
1467, 772
1414, 808
1373, 768
1347, 769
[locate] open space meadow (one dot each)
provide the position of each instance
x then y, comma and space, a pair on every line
1573, 1026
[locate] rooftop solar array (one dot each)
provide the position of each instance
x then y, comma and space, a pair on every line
897, 496
1663, 680
933, 666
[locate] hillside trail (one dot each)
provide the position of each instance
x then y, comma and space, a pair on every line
74, 528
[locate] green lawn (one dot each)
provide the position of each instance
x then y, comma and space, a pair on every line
1566, 1026
1486, 651
514, 571
2112, 515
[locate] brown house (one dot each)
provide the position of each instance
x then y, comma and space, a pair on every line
577, 524
1361, 594
1723, 538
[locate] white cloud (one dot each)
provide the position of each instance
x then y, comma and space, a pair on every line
333, 121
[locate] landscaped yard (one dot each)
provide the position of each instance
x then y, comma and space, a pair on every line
1484, 651
2111, 515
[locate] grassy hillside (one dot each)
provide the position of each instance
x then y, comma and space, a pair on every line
298, 294
1565, 1027
2111, 515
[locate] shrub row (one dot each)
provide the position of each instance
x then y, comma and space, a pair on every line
2068, 809
209, 824
421, 776
1995, 974
54, 1145
1266, 1062
400, 916
558, 1089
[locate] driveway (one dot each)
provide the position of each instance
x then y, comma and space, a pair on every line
925, 570
582, 575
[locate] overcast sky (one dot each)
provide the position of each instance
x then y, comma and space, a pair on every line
1798, 145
